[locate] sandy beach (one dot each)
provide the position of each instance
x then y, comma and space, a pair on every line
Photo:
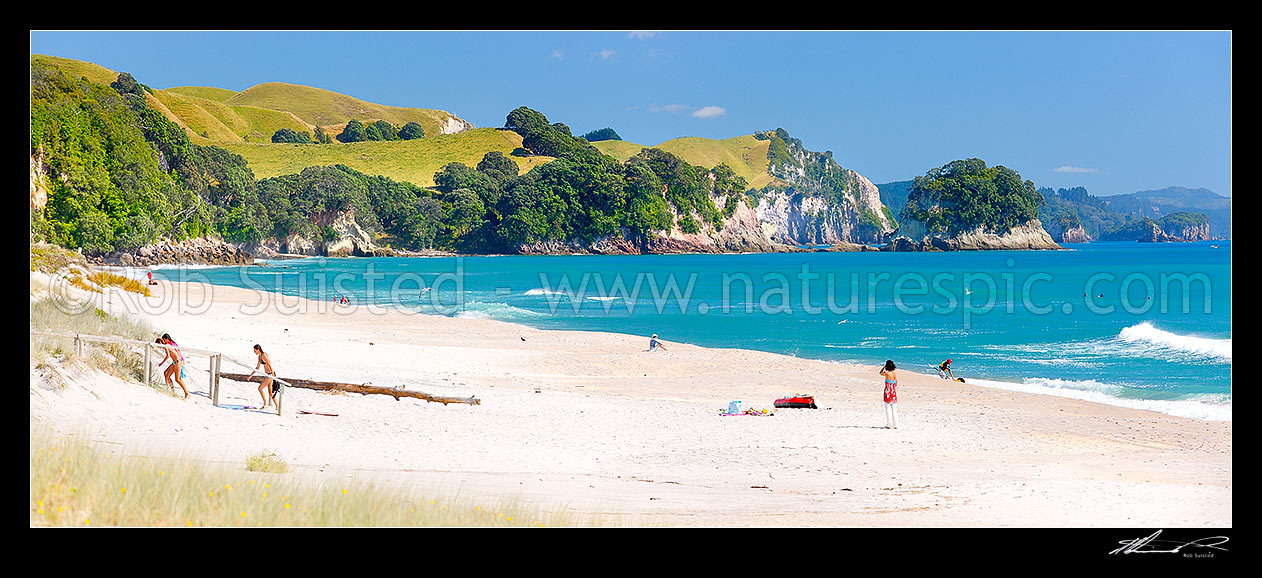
592, 423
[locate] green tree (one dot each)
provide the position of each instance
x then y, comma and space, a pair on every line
387, 130
601, 134
288, 135
463, 212
497, 166
320, 136
411, 131
354, 132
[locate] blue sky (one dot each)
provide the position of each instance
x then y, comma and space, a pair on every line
1115, 112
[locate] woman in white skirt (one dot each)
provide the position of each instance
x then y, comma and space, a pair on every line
891, 395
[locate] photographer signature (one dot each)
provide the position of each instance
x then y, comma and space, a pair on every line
1149, 545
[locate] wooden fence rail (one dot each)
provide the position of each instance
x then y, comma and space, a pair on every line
216, 372
361, 389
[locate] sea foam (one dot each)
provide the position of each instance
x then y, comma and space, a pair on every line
1205, 407
1145, 335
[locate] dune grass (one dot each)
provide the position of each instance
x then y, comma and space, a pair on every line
125, 361
413, 161
75, 484
47, 258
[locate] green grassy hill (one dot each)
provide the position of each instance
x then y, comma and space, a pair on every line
413, 161
206, 92
745, 155
243, 122
317, 106
78, 68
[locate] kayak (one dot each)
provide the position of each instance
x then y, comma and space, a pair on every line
797, 400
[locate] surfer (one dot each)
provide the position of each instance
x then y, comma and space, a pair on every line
266, 362
944, 370
654, 344
891, 395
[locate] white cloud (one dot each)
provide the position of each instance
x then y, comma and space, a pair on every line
1069, 169
643, 34
557, 54
672, 108
605, 54
709, 112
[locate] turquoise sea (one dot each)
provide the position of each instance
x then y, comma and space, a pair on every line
1140, 325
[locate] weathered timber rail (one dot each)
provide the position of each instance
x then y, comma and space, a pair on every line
361, 389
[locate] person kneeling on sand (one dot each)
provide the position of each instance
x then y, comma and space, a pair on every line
176, 369
654, 344
268, 381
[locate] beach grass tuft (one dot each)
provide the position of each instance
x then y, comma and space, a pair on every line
266, 461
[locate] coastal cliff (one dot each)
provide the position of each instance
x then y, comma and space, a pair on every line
1171, 228
343, 238
1027, 236
201, 251
813, 200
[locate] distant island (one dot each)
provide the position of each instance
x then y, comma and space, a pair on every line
1074, 215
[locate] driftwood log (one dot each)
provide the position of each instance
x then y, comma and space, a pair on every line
357, 388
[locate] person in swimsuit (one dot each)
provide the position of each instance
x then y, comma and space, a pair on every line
944, 370
176, 369
891, 395
266, 362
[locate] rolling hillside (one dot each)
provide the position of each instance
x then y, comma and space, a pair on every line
745, 155
413, 161
316, 106
243, 122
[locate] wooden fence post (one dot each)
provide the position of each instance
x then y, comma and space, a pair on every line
148, 365
214, 380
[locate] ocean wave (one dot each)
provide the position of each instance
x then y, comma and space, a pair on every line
543, 292
500, 311
1204, 406
1146, 335
604, 298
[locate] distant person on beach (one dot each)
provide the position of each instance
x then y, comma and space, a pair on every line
266, 362
176, 369
654, 344
944, 370
151, 281
891, 395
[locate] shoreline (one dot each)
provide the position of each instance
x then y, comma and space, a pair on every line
592, 421
1204, 409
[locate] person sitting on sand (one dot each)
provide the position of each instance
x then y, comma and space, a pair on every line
891, 395
944, 370
654, 344
266, 362
176, 369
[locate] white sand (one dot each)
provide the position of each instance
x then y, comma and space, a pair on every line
620, 431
